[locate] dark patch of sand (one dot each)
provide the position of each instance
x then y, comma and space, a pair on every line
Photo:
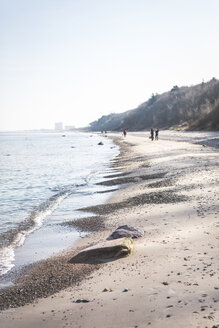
161, 184
164, 197
89, 224
43, 279
123, 162
113, 182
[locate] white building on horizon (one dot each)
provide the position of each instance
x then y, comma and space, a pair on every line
58, 126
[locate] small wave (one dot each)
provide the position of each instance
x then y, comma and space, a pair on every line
91, 175
6, 259
16, 237
70, 189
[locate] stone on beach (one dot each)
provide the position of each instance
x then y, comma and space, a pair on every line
127, 231
83, 300
106, 250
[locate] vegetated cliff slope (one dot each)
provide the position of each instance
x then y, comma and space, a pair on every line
195, 107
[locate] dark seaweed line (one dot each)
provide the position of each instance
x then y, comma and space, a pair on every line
113, 182
164, 197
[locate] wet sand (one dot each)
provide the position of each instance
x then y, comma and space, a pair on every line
170, 190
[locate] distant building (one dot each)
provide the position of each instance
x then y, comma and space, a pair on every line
69, 127
58, 126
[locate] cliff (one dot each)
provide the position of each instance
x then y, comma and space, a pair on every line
195, 108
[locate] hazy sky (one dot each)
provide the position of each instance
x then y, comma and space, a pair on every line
76, 60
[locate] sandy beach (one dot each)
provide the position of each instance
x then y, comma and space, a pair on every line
169, 189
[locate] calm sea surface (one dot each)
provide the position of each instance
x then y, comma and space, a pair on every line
44, 179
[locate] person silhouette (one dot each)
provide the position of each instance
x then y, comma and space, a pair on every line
152, 134
156, 134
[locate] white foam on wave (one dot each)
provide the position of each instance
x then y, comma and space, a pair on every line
6, 259
7, 254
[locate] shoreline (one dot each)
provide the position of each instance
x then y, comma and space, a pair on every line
34, 202
19, 292
159, 192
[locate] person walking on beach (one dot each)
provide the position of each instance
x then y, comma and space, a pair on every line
124, 133
152, 134
156, 134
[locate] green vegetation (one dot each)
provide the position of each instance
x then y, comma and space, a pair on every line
174, 88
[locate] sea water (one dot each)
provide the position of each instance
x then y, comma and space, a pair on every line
44, 179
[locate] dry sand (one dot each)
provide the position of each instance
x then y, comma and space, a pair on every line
170, 189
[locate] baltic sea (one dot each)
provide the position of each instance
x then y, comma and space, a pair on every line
44, 179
